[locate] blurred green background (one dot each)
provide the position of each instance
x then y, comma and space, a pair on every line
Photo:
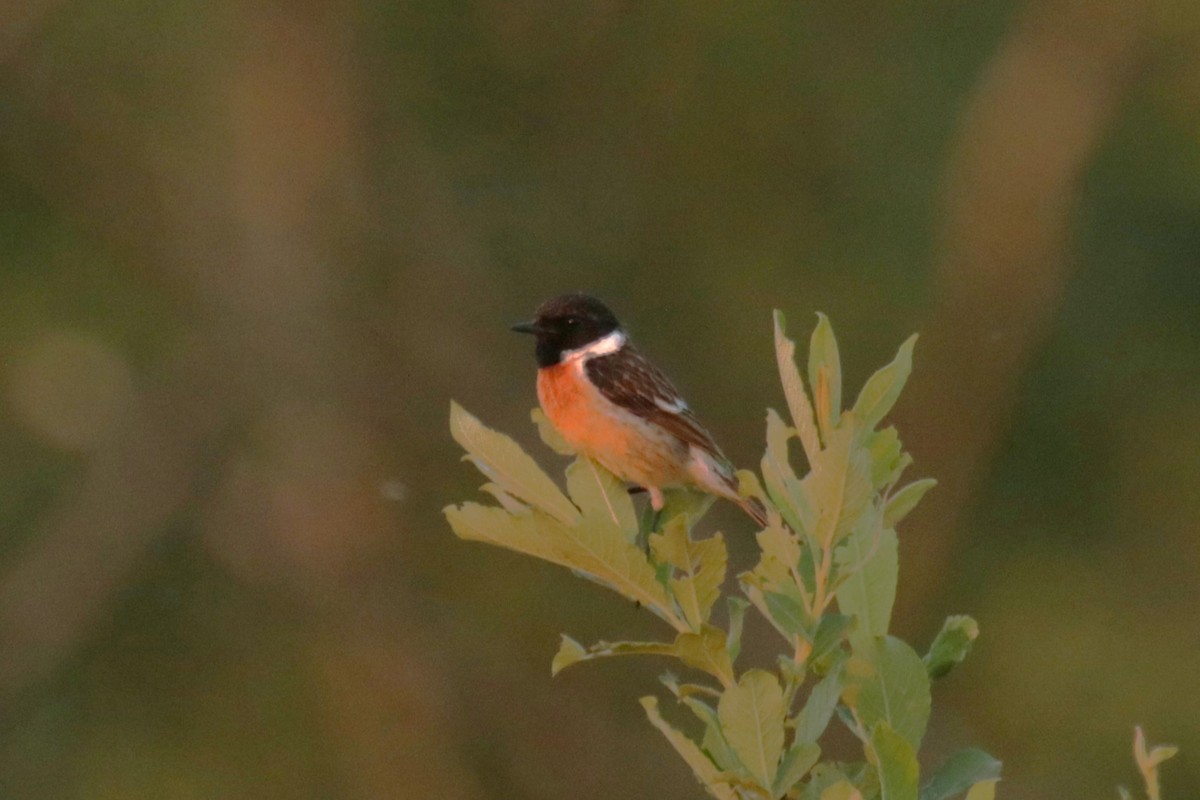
249, 251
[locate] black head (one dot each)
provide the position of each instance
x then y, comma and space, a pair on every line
568, 322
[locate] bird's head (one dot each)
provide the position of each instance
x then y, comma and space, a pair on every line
569, 322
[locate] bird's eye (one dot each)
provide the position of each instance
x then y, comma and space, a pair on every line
572, 321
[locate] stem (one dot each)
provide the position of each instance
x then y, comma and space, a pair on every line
803, 650
820, 600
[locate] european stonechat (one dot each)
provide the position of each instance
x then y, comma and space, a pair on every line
617, 408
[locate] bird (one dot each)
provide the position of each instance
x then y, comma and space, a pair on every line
614, 406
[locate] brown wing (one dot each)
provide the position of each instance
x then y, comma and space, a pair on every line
628, 380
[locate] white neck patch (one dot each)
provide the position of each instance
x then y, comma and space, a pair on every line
603, 346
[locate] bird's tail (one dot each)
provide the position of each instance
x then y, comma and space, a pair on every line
754, 508
714, 474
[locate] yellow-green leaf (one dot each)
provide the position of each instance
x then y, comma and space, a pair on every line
793, 389
569, 652
706, 651
839, 485
825, 375
984, 790
780, 547
533, 534
782, 485
572, 652
751, 715
511, 504
704, 769
700, 566
842, 790
598, 551
714, 742
1148, 761
504, 462
601, 496
550, 435
602, 552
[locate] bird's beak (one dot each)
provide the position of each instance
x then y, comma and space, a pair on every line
526, 327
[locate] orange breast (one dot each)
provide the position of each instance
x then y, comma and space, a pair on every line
569, 402
592, 426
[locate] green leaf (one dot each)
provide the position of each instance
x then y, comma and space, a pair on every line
951, 645
700, 566
797, 761
694, 505
839, 485
706, 772
550, 435
572, 652
825, 372
897, 763
793, 389
905, 500
960, 772
869, 567
751, 715
600, 552
829, 634
792, 672
886, 682
814, 718
984, 790
788, 612
504, 462
888, 459
600, 494
750, 583
737, 615
706, 651
883, 388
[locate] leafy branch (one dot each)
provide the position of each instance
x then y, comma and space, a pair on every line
1147, 761
825, 580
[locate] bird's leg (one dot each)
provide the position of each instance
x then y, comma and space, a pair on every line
656, 502
650, 516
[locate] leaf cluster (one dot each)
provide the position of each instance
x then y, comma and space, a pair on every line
825, 581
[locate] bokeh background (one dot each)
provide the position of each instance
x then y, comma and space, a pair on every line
250, 250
